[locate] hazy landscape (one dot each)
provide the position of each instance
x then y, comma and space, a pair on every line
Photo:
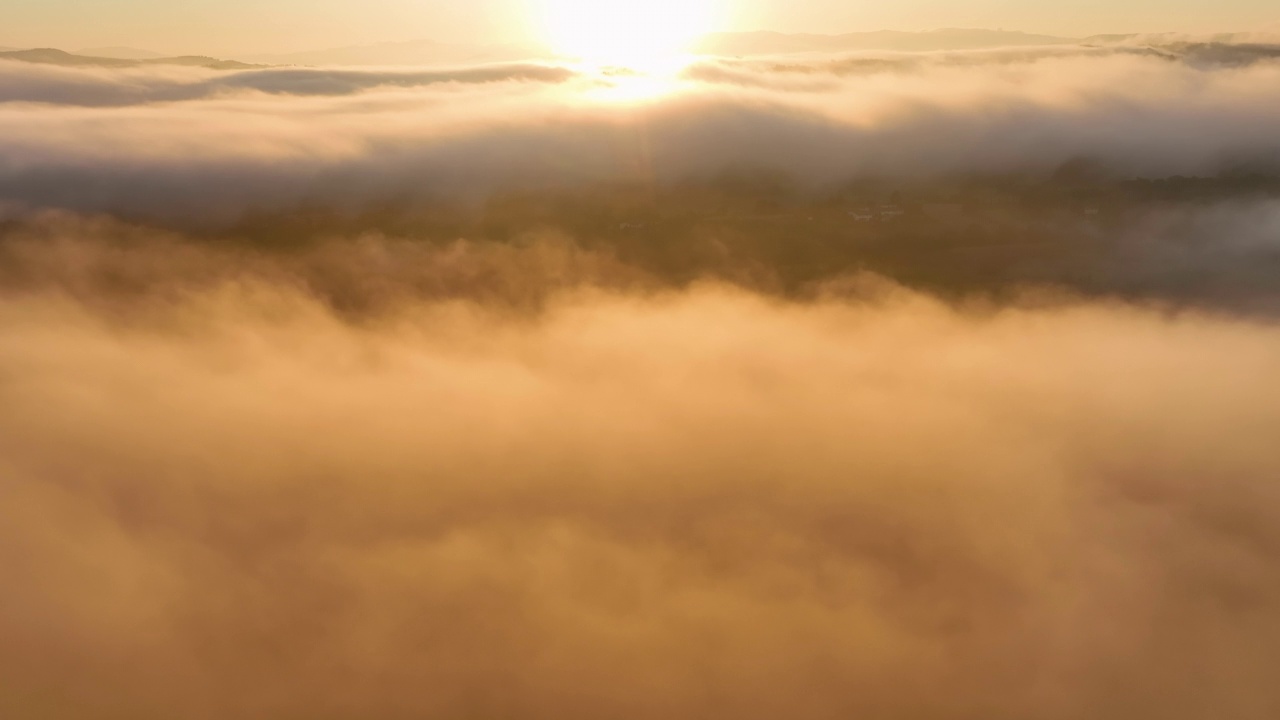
919, 375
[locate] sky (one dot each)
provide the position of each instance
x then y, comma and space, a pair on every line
229, 27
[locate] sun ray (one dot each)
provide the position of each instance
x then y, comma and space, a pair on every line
648, 36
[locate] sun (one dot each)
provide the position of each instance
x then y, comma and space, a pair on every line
642, 35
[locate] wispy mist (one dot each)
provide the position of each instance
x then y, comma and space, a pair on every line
230, 500
879, 385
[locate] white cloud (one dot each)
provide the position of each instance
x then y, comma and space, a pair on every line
269, 137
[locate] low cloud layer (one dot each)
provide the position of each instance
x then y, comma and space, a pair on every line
222, 498
106, 88
871, 386
186, 145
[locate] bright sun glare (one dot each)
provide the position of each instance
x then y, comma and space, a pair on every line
649, 36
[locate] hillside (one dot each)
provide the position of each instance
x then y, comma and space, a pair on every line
120, 53
51, 56
413, 52
763, 43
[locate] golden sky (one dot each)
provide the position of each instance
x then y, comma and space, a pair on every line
256, 26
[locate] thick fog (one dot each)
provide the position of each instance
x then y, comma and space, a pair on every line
477, 393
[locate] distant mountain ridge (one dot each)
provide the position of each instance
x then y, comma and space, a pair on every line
120, 53
430, 52
1265, 37
762, 43
436, 53
51, 56
412, 52
954, 39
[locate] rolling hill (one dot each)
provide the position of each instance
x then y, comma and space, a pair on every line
51, 56
767, 43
